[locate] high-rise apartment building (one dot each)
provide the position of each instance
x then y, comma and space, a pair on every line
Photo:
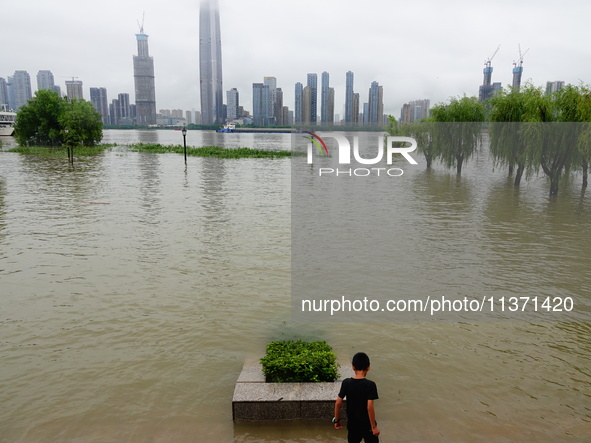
74, 90
326, 101
307, 105
349, 114
210, 63
355, 108
414, 111
258, 103
233, 103
552, 87
313, 85
376, 105
20, 89
325, 86
124, 111
299, 103
279, 118
144, 80
271, 101
98, 97
3, 93
45, 80
330, 107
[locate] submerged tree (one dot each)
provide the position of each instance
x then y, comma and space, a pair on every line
459, 130
37, 122
507, 147
554, 145
47, 118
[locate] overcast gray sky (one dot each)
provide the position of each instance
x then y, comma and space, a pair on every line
415, 49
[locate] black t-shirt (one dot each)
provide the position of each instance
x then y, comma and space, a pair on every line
357, 392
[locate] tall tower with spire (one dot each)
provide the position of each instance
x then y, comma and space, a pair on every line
210, 63
143, 75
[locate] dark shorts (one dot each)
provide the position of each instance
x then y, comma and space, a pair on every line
355, 436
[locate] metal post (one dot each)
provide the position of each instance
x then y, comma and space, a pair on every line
185, 144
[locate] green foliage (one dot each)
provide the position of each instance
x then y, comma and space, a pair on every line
392, 127
291, 361
210, 151
81, 123
59, 151
44, 120
457, 140
37, 122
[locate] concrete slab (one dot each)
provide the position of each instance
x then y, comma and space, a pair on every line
256, 400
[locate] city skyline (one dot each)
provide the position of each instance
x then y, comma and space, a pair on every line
428, 58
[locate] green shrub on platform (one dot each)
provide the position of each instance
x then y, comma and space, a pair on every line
292, 361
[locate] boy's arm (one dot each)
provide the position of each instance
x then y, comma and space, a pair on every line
372, 418
337, 412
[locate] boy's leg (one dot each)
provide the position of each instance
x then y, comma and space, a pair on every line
354, 436
368, 437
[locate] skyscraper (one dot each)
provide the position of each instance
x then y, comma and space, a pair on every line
271, 117
233, 102
3, 93
20, 85
279, 118
299, 103
307, 105
313, 85
45, 80
376, 105
143, 76
98, 97
324, 98
355, 108
349, 115
210, 63
258, 100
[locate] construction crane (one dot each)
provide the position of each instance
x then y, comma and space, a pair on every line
520, 59
488, 68
141, 25
518, 69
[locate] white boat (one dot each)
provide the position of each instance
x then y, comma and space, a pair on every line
7, 119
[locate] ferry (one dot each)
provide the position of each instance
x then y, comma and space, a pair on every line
7, 119
228, 127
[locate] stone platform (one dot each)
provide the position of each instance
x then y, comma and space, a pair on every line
254, 399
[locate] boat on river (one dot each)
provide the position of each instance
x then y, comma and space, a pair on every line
7, 119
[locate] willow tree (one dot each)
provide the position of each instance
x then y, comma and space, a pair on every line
584, 142
459, 130
420, 131
507, 110
551, 133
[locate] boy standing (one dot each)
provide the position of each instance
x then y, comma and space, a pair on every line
360, 393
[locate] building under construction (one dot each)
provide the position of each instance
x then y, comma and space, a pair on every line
143, 75
518, 70
487, 88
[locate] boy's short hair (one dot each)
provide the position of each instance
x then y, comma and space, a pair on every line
360, 361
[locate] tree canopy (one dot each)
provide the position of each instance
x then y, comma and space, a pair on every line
459, 137
49, 120
529, 130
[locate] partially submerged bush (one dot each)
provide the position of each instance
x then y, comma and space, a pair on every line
291, 361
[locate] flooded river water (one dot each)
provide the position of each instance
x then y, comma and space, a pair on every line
132, 290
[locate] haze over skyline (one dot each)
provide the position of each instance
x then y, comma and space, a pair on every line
415, 50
